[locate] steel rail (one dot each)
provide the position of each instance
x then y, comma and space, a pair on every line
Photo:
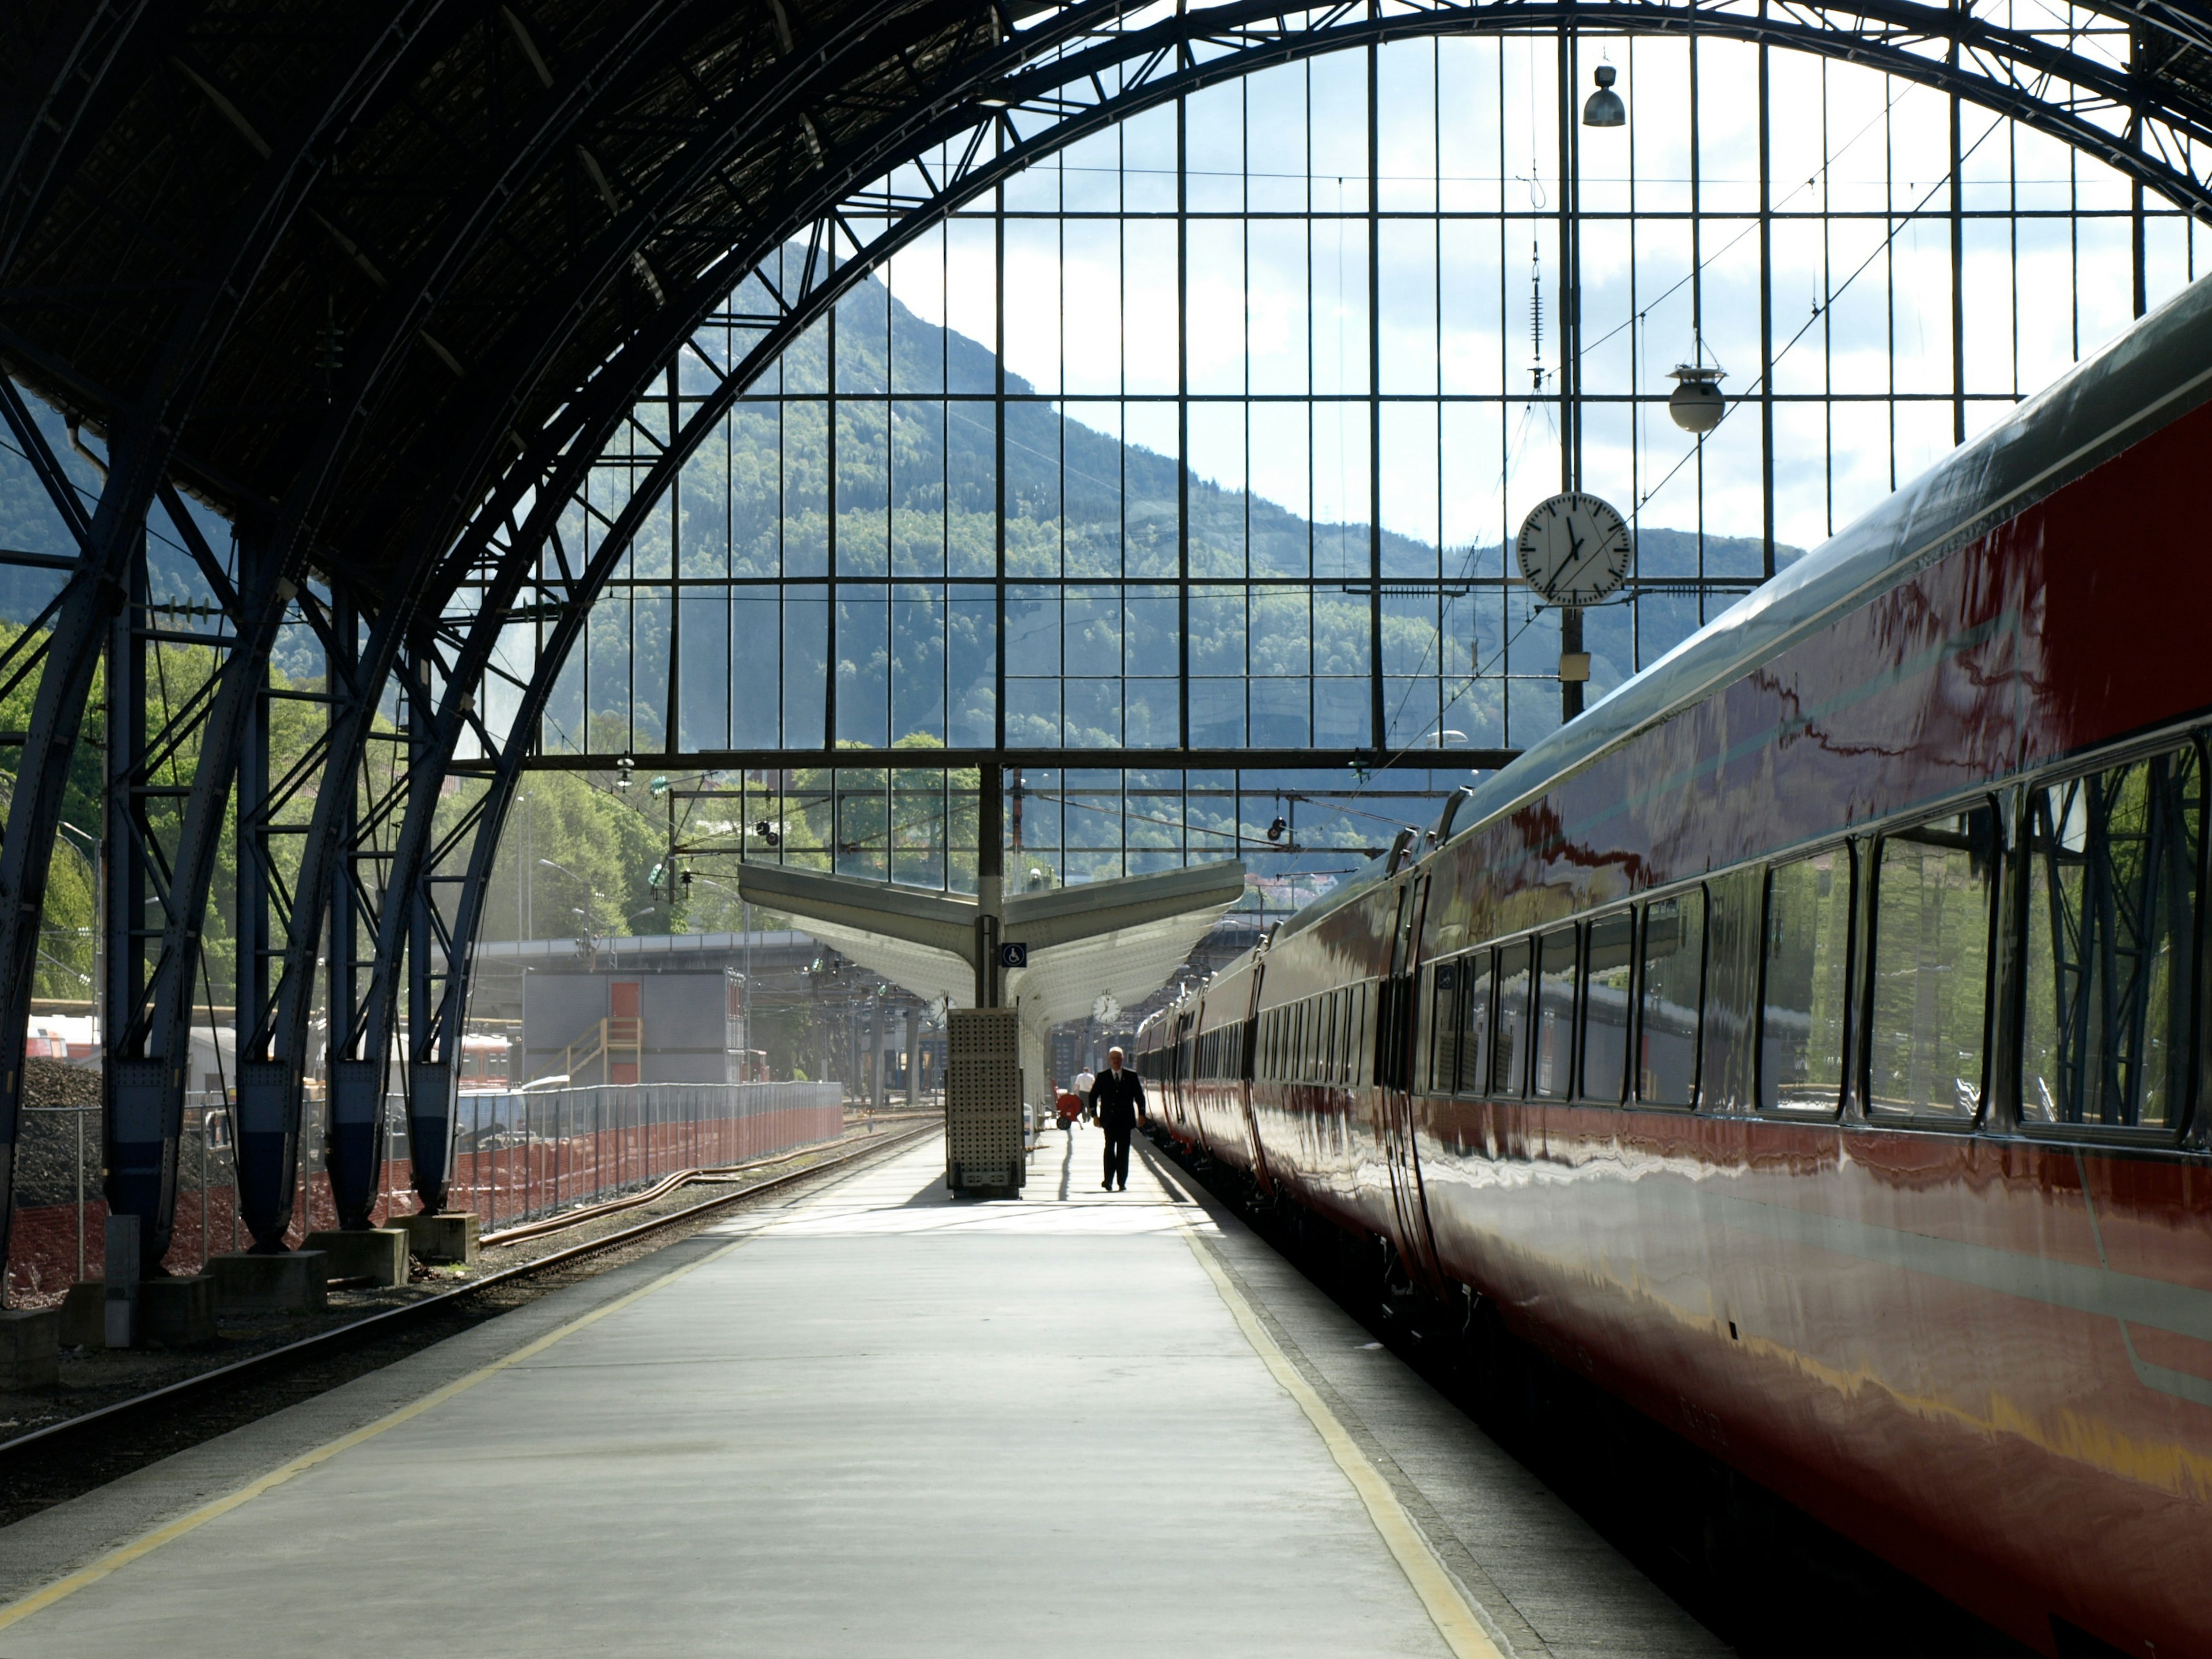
522, 1231
391, 1320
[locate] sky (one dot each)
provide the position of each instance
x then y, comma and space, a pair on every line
1465, 125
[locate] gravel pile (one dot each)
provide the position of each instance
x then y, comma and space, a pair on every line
47, 1141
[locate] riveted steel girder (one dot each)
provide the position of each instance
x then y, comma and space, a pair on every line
1051, 86
141, 444
1065, 73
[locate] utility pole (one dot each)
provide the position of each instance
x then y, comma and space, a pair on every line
1570, 314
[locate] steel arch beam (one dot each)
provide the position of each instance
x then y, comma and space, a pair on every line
52, 132
277, 1038
1201, 47
159, 1029
139, 1155
1199, 44
1009, 92
274, 1037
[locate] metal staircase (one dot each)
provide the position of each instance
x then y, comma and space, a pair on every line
603, 1043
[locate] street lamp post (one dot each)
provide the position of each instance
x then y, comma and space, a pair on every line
590, 937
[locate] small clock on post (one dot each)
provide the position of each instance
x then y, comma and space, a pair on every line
1574, 550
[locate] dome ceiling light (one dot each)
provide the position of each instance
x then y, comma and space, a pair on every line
1604, 108
1696, 404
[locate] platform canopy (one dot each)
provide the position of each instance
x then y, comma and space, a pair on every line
1122, 938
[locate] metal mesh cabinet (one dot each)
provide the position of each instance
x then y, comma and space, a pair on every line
983, 1151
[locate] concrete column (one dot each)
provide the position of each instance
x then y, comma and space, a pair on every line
120, 1322
990, 882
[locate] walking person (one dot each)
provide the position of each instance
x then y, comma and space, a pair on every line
1118, 1099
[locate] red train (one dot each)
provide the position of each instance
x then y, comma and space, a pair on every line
1809, 1045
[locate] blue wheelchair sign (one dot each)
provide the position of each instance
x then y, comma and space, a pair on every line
1013, 955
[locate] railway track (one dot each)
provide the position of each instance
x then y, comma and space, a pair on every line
62, 1458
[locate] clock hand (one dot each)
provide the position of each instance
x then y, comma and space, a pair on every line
1574, 563
1576, 567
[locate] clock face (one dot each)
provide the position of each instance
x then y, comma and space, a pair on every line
1573, 549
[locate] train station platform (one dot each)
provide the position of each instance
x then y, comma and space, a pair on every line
866, 1421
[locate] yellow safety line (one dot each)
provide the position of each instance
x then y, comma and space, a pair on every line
1441, 1598
124, 1555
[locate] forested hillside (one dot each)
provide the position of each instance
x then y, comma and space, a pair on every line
915, 498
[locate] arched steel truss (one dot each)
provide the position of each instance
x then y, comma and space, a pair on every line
1060, 76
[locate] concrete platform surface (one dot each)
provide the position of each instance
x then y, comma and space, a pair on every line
869, 1421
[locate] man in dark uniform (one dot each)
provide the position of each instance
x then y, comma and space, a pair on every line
1118, 1098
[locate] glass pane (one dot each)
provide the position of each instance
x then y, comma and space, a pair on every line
1355, 1004
1509, 1052
1605, 1005
1443, 1025
2112, 908
1555, 1014
1347, 1037
1474, 1025
1808, 930
1931, 950
1728, 1066
1666, 1020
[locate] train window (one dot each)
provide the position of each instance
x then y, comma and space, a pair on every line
2111, 910
1557, 955
1669, 989
1925, 1034
1808, 933
1443, 1025
1605, 975
1509, 1048
1474, 1025
1729, 1064
1355, 1036
1355, 1020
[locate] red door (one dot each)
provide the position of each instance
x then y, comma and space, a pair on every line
625, 1031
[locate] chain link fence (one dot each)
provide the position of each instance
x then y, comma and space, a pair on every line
517, 1156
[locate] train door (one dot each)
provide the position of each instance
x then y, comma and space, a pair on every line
1184, 1067
625, 1030
1397, 1027
1247, 1073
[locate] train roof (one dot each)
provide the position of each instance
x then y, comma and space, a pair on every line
1373, 873
2154, 374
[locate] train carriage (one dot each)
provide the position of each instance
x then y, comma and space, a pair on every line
1809, 1043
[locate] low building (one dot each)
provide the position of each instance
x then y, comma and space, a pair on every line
635, 1026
